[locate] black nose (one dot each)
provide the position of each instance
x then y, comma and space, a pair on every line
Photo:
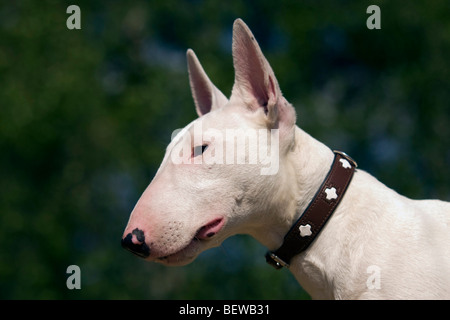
135, 243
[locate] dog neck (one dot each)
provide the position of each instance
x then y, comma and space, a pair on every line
302, 171
311, 160
311, 268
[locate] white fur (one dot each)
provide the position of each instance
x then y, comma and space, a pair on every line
406, 242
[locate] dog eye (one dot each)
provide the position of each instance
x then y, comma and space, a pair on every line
198, 150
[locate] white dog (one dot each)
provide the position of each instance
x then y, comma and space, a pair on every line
377, 244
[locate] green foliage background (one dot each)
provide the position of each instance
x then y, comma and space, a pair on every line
85, 116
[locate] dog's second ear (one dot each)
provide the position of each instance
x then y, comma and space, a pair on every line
255, 81
206, 96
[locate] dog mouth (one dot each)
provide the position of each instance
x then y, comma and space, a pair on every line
187, 253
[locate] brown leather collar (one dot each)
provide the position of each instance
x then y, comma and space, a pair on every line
311, 222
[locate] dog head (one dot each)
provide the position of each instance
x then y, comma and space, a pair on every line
223, 173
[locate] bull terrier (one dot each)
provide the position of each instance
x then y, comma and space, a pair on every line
377, 244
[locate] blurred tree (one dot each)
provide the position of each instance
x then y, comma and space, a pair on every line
85, 116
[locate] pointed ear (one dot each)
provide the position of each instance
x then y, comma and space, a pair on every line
255, 81
206, 96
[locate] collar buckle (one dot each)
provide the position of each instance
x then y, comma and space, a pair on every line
275, 261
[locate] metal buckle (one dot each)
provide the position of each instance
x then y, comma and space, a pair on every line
346, 156
276, 261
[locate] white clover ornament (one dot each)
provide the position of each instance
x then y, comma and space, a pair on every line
305, 231
331, 193
345, 164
